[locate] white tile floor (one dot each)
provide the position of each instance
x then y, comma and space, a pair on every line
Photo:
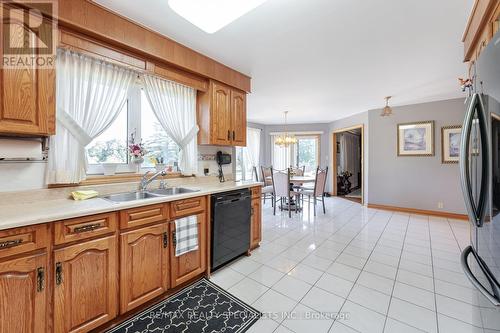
380, 271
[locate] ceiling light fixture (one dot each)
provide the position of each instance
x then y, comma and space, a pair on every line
286, 139
387, 110
212, 15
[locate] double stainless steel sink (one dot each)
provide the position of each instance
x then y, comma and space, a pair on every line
141, 195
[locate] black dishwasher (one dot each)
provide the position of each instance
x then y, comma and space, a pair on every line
230, 226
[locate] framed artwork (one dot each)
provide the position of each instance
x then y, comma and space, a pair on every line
450, 143
416, 139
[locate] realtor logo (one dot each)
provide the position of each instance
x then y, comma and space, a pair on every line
28, 33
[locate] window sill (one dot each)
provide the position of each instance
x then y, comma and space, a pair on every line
118, 178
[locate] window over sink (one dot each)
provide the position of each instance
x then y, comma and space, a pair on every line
138, 119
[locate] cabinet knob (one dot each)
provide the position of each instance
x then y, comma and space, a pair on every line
59, 272
165, 240
40, 279
10, 243
88, 227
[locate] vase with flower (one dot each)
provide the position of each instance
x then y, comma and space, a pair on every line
136, 152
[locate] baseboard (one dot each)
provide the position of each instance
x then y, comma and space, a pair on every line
420, 211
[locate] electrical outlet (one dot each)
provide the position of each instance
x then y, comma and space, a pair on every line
440, 205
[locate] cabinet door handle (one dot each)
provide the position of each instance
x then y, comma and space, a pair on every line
174, 239
40, 279
228, 134
10, 243
88, 227
252, 211
59, 272
165, 240
234, 135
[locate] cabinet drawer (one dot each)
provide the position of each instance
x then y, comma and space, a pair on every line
256, 191
143, 215
25, 239
84, 227
188, 206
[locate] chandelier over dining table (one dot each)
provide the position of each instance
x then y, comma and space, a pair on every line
285, 139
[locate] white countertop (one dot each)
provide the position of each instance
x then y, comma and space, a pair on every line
25, 208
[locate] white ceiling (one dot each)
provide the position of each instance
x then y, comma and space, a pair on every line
326, 59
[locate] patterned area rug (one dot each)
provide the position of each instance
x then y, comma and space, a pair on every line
201, 307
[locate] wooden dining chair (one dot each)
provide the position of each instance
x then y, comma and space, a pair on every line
298, 171
317, 191
281, 186
267, 179
255, 175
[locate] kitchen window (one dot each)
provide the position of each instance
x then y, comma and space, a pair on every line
304, 153
248, 157
138, 119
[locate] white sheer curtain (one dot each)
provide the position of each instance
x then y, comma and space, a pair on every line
350, 156
251, 153
89, 95
175, 107
283, 157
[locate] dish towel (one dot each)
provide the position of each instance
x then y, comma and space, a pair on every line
84, 195
186, 235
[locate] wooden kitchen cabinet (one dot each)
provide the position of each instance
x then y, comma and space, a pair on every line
27, 103
222, 116
23, 294
239, 118
191, 264
221, 113
144, 265
482, 25
86, 285
256, 223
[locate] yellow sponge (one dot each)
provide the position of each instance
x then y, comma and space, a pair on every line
84, 195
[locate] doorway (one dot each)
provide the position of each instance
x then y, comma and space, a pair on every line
348, 167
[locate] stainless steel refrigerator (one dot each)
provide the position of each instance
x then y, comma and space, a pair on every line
480, 174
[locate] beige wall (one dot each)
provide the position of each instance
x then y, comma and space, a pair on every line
414, 182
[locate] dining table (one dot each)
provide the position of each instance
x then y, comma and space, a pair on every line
298, 180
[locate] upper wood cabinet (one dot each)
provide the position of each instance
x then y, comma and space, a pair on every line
86, 285
27, 103
23, 294
239, 118
482, 25
143, 265
222, 116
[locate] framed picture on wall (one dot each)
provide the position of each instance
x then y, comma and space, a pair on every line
416, 139
450, 143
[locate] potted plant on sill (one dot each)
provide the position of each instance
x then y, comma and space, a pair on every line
136, 152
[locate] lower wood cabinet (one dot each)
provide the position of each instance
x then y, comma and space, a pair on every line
86, 285
191, 264
69, 277
256, 220
144, 265
23, 294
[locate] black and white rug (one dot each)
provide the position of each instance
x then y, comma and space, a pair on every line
200, 308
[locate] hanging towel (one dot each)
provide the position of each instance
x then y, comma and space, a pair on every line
186, 235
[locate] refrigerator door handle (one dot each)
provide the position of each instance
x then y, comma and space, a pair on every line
476, 213
465, 265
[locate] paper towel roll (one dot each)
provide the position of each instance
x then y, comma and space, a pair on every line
22, 149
